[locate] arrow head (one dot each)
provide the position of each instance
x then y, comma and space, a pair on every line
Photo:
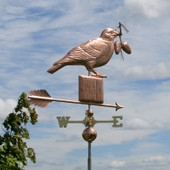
118, 106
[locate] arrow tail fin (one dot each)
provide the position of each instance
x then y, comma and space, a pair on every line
42, 93
38, 102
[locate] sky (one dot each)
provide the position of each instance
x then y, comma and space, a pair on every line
35, 34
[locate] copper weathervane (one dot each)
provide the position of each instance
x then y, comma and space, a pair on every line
94, 53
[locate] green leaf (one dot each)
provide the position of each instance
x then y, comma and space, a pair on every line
14, 152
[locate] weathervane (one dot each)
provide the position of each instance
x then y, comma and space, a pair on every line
94, 53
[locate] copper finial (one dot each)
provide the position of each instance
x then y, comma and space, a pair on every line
89, 134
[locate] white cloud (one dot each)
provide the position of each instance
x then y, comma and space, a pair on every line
141, 162
159, 71
137, 123
117, 164
154, 159
156, 162
150, 9
6, 107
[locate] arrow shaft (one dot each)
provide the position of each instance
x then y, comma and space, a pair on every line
69, 101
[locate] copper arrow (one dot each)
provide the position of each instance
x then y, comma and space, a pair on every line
43, 99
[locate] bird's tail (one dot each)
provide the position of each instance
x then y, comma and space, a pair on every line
55, 68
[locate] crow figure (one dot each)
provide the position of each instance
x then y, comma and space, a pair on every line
94, 53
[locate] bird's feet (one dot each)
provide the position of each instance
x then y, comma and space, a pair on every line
99, 75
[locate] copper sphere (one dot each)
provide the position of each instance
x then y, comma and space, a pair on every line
90, 112
89, 134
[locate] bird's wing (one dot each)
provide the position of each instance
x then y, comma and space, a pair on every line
89, 51
96, 48
92, 49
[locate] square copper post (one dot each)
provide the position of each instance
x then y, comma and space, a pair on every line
90, 89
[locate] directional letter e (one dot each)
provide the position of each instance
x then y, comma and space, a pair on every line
115, 121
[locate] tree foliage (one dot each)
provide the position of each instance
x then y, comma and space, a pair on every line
14, 151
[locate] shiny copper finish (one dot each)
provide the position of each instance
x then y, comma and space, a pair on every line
89, 134
90, 89
126, 47
39, 102
117, 47
42, 101
94, 53
41, 92
89, 113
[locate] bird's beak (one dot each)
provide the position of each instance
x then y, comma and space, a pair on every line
116, 33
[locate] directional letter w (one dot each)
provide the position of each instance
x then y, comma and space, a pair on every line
63, 121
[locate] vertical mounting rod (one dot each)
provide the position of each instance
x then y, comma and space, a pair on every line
89, 156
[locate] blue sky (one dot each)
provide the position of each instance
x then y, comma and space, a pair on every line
34, 34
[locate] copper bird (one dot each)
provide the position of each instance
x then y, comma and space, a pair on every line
94, 53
